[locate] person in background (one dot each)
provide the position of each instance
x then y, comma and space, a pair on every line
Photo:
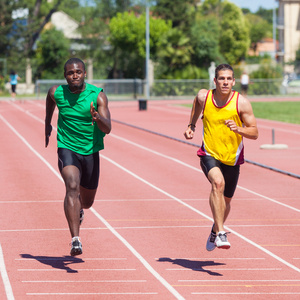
227, 118
244, 83
83, 121
14, 77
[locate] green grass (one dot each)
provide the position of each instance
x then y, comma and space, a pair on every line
286, 111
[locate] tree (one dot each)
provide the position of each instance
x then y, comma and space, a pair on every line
259, 28
234, 36
181, 13
175, 53
127, 38
205, 35
52, 53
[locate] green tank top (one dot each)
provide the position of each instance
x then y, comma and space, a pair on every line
74, 125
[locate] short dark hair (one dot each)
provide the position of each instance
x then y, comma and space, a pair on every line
74, 60
222, 67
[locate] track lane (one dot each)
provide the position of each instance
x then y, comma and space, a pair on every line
179, 235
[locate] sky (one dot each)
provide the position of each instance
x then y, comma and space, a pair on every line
254, 5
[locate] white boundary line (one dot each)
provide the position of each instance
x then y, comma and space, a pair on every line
5, 279
169, 287
204, 215
198, 170
143, 261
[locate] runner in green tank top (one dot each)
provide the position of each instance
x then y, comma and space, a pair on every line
83, 121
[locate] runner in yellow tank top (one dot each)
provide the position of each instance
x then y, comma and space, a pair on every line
218, 140
227, 118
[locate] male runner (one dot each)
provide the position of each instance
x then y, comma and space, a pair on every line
227, 118
83, 121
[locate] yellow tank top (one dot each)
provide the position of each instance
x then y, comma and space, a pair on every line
218, 140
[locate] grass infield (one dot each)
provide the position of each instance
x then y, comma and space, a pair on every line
287, 111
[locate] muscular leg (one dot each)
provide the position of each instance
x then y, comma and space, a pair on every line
220, 206
87, 197
72, 203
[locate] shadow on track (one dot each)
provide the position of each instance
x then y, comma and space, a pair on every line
193, 264
61, 263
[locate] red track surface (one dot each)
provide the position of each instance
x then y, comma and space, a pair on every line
145, 236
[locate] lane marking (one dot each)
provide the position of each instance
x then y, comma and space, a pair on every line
143, 227
84, 281
81, 270
241, 280
202, 214
88, 294
133, 251
213, 293
224, 269
198, 170
5, 278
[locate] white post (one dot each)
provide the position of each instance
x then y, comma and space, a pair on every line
147, 51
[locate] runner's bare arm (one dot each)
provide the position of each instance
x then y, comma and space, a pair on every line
195, 113
249, 130
102, 115
50, 106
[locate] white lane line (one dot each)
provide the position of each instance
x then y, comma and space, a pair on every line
213, 293
138, 256
197, 169
202, 214
86, 294
141, 259
240, 280
224, 269
81, 270
84, 281
5, 279
69, 259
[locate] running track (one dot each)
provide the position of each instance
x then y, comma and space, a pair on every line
145, 236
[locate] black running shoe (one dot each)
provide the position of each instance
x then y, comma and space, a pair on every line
210, 244
81, 216
76, 248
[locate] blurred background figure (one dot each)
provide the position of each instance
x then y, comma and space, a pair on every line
13, 76
244, 83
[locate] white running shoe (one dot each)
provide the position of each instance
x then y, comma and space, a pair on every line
210, 244
81, 216
221, 240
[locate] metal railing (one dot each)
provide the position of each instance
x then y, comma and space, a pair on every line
130, 89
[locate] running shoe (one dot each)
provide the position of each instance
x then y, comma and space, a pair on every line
210, 244
76, 248
81, 216
221, 240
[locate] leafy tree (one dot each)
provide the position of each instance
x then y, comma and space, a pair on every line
259, 28
175, 52
127, 37
205, 35
234, 37
52, 53
181, 13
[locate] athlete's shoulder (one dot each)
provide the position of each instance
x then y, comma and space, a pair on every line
92, 87
201, 95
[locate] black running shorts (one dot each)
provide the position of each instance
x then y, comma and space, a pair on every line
230, 173
88, 166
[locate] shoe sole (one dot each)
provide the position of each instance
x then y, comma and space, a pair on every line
76, 251
223, 247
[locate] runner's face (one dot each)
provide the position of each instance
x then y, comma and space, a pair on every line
74, 75
225, 81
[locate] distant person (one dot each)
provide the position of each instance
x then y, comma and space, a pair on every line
244, 83
227, 118
13, 76
83, 121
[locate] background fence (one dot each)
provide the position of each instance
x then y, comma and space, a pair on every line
129, 89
